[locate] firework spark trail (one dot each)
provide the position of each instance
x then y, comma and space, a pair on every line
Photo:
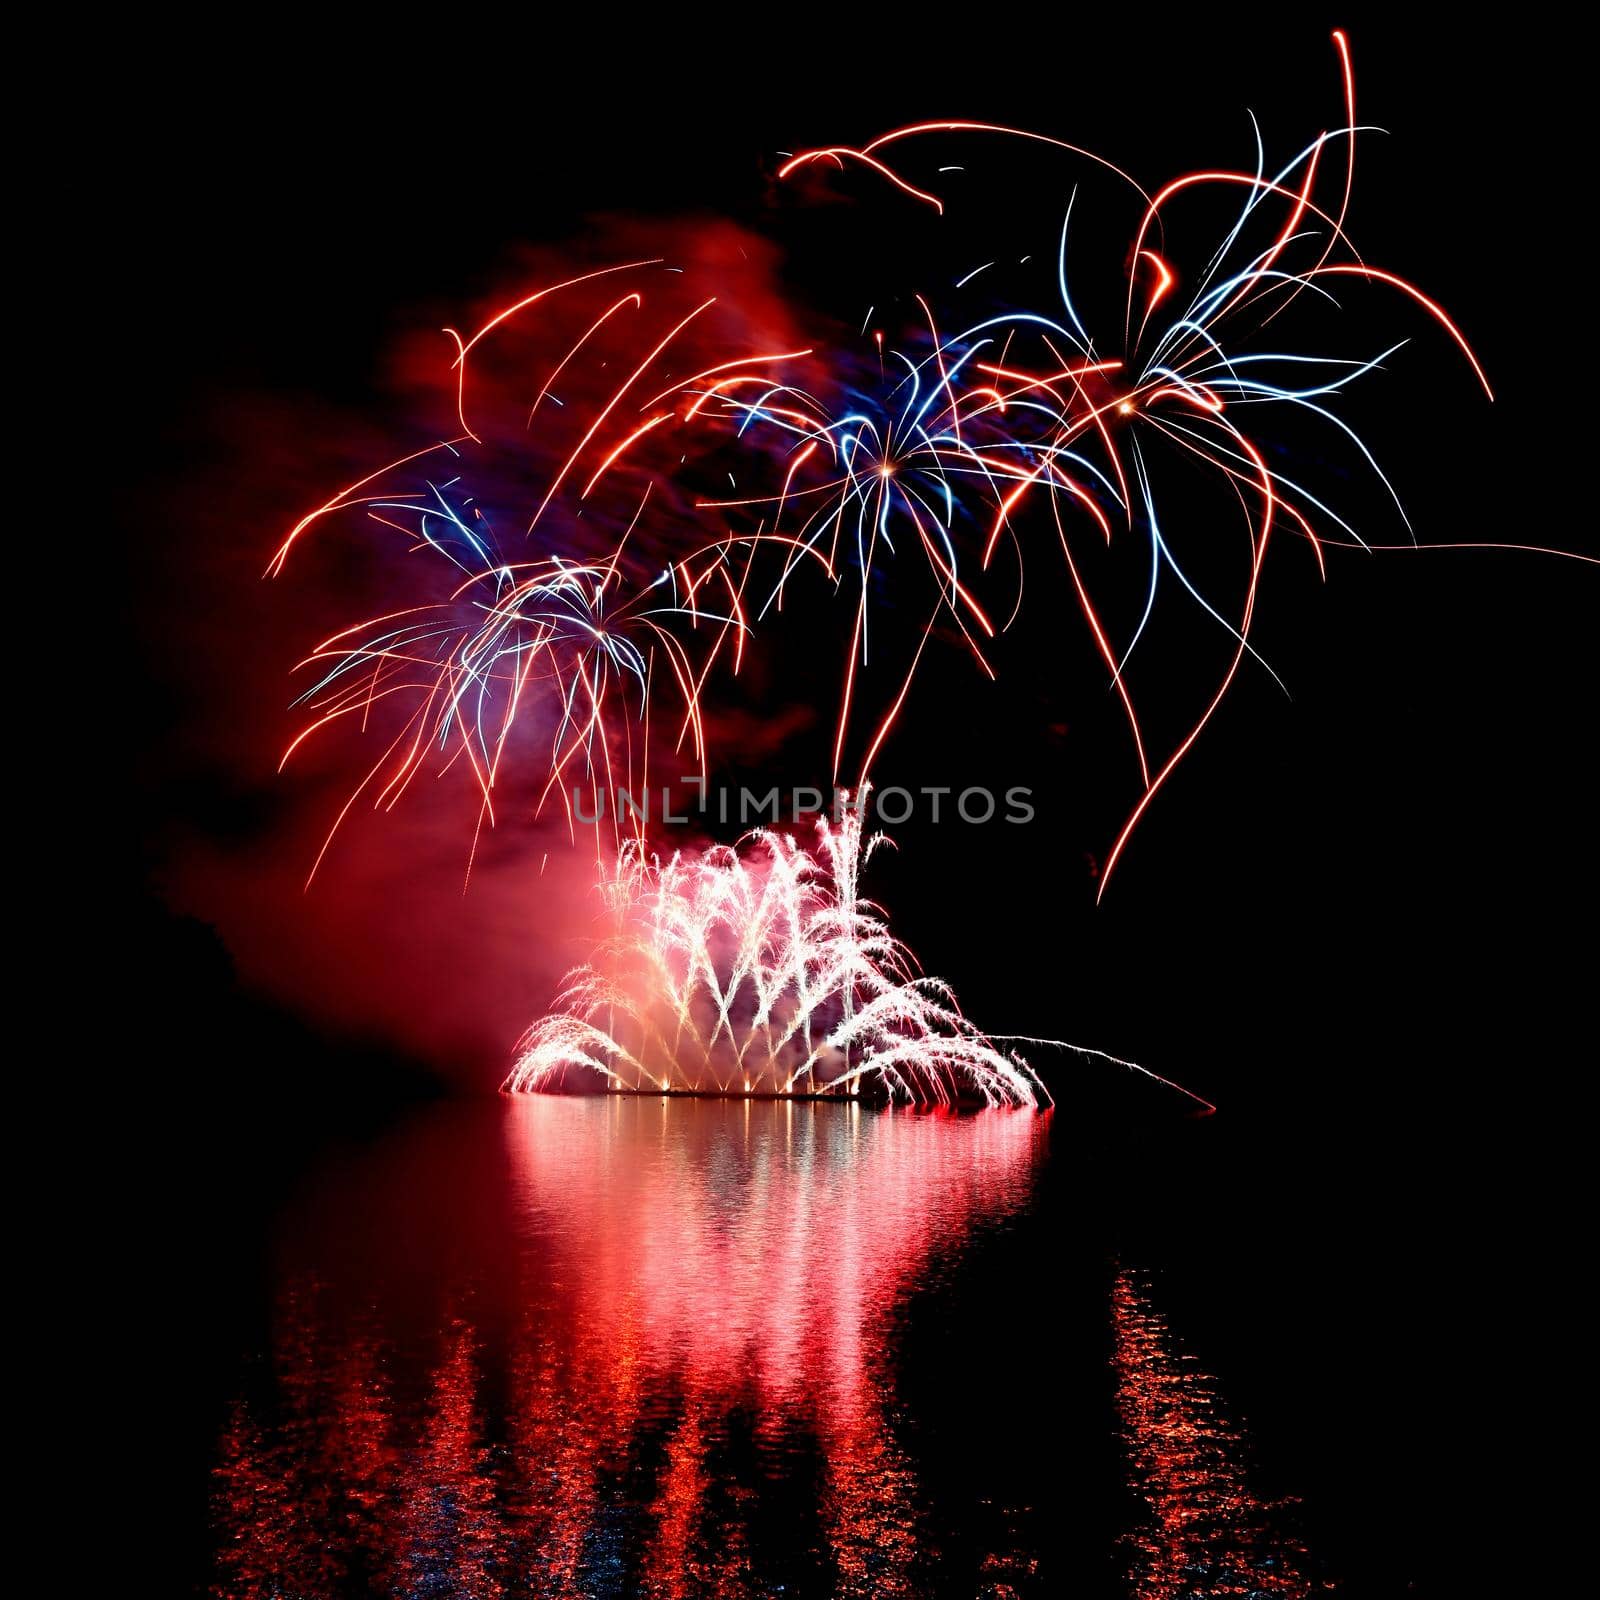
762, 970
946, 458
1024, 405
588, 638
468, 662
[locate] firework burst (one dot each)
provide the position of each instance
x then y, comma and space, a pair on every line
1018, 424
1030, 406
762, 970
583, 624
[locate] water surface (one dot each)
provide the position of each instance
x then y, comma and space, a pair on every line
618, 1346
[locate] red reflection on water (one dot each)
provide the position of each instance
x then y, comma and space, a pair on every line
696, 1320
1207, 1532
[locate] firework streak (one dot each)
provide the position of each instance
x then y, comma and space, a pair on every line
764, 972
964, 445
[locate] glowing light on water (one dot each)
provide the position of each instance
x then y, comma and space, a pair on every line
1206, 1531
558, 1419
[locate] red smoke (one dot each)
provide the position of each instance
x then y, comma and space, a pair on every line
391, 940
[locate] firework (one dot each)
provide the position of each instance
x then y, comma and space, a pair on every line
757, 969
537, 611
1030, 405
1019, 423
762, 970
507, 631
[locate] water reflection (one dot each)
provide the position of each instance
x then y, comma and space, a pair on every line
650, 1353
1205, 1533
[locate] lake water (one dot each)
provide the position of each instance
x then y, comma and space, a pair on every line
617, 1346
